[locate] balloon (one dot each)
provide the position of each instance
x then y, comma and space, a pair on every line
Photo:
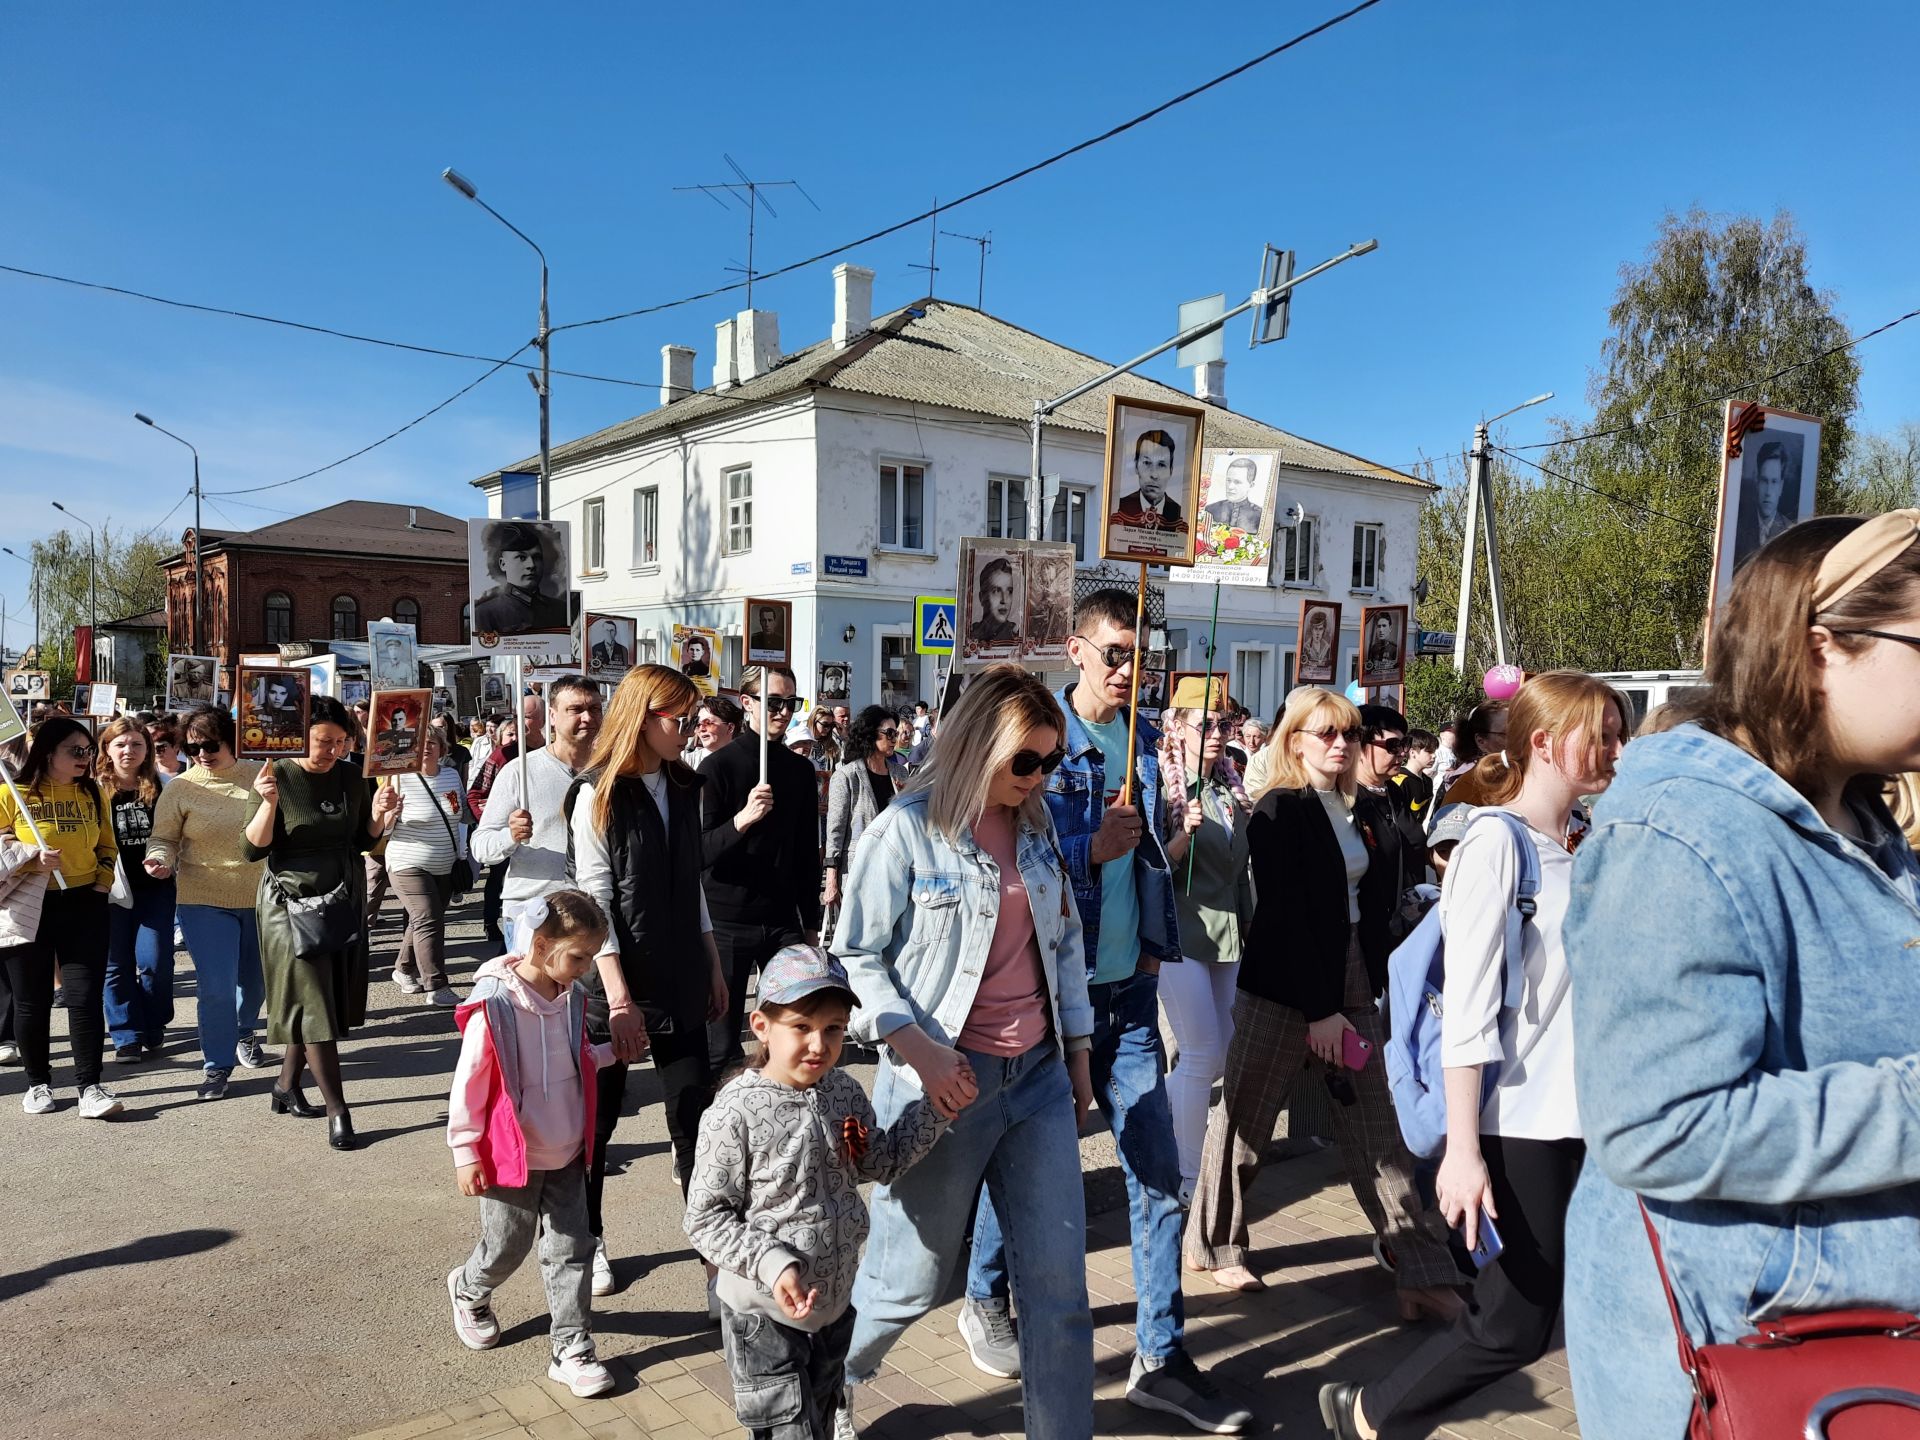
1356, 694
1502, 682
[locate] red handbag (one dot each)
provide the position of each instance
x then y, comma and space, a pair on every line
1840, 1375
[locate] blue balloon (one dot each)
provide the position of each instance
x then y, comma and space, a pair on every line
1357, 695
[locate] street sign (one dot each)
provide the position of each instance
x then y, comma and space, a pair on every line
1270, 319
1435, 642
800, 567
12, 727
936, 621
848, 566
1208, 347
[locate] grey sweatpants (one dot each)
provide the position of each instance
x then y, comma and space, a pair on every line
552, 1204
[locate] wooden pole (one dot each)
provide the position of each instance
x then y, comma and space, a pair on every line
33, 829
1133, 698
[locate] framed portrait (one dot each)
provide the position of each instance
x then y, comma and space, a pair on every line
769, 631
82, 698
1767, 475
1049, 611
836, 682
1155, 687
1152, 481
391, 649
192, 680
1233, 534
1383, 645
442, 700
102, 701
355, 690
1319, 649
28, 685
519, 583
493, 690
1215, 693
696, 655
993, 604
607, 643
396, 720
274, 704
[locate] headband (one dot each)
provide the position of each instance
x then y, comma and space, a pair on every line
1864, 553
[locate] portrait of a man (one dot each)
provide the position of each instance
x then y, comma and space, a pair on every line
607, 651
696, 655
695, 660
390, 656
518, 578
767, 632
836, 681
190, 681
1769, 493
1769, 479
994, 592
1151, 505
1153, 481
1319, 642
394, 747
1383, 645
1235, 508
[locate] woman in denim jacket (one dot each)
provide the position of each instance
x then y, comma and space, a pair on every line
1743, 938
964, 945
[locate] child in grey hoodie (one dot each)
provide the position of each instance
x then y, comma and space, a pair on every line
775, 1203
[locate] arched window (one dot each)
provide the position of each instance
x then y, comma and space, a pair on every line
346, 618
279, 615
407, 612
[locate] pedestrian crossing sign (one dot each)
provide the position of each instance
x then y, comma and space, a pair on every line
936, 619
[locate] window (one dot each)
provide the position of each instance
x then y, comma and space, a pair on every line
279, 607
899, 672
593, 535
466, 623
737, 487
903, 505
407, 612
1366, 557
646, 526
1249, 684
1300, 553
1286, 676
346, 618
1068, 520
1007, 507
732, 651
647, 651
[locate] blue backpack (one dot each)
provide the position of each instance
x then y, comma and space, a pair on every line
1416, 976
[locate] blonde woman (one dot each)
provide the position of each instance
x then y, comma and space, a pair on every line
1303, 991
962, 941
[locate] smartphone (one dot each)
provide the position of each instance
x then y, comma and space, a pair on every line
1489, 1247
1355, 1050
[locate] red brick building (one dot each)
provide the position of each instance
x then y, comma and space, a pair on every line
322, 577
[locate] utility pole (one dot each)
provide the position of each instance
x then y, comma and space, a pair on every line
1480, 513
35, 568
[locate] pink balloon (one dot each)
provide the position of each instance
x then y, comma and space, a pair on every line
1502, 682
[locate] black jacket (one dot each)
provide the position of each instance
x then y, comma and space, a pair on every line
771, 874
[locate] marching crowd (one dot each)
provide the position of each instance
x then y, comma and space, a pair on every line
1692, 1038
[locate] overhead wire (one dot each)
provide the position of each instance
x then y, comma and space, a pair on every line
1603, 494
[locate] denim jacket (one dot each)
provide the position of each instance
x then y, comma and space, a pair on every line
1077, 796
917, 915
1746, 993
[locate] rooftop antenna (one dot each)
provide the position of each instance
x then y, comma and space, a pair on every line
933, 247
985, 242
745, 191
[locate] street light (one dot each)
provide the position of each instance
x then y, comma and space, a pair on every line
1480, 508
544, 383
199, 591
93, 583
39, 658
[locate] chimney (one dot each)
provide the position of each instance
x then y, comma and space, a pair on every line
676, 373
852, 304
1210, 383
725, 371
759, 332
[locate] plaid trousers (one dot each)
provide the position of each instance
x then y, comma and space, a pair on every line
1266, 1057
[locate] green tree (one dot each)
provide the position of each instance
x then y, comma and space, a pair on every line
1883, 473
130, 582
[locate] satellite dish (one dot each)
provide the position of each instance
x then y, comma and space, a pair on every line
1290, 515
1420, 591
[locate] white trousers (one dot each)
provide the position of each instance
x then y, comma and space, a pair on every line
1198, 995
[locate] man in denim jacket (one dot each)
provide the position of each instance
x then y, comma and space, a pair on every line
1123, 889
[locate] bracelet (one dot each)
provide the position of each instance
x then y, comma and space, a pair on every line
621, 1005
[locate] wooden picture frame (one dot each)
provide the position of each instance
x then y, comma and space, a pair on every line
1750, 487
1154, 456
396, 728
1383, 646
1321, 620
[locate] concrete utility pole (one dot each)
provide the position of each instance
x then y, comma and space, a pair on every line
1480, 512
199, 576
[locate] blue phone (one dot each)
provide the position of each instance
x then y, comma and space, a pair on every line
1489, 1247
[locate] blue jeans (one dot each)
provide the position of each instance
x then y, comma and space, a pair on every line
1129, 1084
139, 991
225, 946
1018, 1137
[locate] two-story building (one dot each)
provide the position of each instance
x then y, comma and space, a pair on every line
841, 478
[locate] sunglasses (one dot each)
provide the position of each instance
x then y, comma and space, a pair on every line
1113, 656
1208, 725
80, 752
682, 722
191, 748
779, 704
1393, 745
888, 734
1028, 761
1327, 734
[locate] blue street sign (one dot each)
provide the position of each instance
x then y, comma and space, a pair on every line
802, 567
936, 621
849, 566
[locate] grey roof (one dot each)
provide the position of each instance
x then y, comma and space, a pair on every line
936, 352
354, 527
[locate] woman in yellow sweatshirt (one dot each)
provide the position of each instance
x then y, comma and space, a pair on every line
43, 925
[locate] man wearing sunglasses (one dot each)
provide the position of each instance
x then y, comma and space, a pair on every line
762, 847
1124, 890
1383, 748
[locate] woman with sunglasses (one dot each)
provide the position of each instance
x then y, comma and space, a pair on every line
1306, 994
139, 987
199, 842
962, 940
1206, 823
860, 789
43, 926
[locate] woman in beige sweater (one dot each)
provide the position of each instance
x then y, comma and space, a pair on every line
198, 838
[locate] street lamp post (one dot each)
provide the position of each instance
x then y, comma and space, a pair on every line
93, 592
39, 657
1480, 509
199, 586
543, 385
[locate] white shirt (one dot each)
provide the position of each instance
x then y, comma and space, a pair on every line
1353, 849
419, 841
538, 784
593, 861
1535, 1098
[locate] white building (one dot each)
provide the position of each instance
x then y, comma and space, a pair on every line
842, 477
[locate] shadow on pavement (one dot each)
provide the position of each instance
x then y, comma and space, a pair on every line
170, 1246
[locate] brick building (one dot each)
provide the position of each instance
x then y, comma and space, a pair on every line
321, 577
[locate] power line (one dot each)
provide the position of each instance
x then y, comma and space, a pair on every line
1603, 494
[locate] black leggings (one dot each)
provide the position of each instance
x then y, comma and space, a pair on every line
73, 937
1510, 1316
686, 1081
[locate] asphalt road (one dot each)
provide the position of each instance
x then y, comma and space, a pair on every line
211, 1268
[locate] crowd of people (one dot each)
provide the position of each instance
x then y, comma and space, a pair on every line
1678, 990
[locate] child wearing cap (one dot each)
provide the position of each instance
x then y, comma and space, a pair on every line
774, 1199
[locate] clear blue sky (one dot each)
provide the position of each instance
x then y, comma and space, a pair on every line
1509, 157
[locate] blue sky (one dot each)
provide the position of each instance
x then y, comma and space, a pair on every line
1509, 157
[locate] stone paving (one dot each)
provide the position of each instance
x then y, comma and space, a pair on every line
1328, 1314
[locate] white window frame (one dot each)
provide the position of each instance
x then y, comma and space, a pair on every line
1000, 512
900, 464
736, 511
646, 528
918, 665
1089, 528
593, 535
1258, 705
1362, 529
1311, 581
647, 649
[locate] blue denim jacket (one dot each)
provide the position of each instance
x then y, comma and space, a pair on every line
917, 916
1077, 796
1746, 993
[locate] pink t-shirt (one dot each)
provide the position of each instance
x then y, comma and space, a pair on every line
1009, 1015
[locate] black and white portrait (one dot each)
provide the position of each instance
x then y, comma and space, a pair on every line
1383, 645
609, 641
391, 655
1153, 481
1766, 489
992, 600
836, 682
769, 632
518, 584
191, 680
1237, 491
1049, 604
1319, 642
28, 685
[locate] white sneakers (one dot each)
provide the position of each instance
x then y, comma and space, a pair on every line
9, 1053
97, 1103
406, 983
474, 1324
581, 1373
603, 1283
38, 1100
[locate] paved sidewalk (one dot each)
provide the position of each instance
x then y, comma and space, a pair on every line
1328, 1315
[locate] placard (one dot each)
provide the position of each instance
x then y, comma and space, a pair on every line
28, 685
607, 641
1383, 645
1152, 486
1233, 539
1049, 617
1319, 648
696, 655
392, 650
1769, 464
274, 704
519, 583
769, 631
102, 701
12, 725
836, 683
493, 690
993, 600
396, 721
192, 680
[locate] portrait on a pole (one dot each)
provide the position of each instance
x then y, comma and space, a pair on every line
391, 650
192, 680
1049, 617
1319, 643
1233, 542
992, 600
395, 721
836, 682
1383, 645
607, 641
696, 655
1152, 481
519, 584
1767, 476
493, 690
28, 685
273, 713
769, 630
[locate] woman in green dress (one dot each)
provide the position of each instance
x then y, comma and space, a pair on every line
315, 822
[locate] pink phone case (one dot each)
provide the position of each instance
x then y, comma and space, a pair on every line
1354, 1050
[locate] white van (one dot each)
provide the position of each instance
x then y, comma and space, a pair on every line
1646, 690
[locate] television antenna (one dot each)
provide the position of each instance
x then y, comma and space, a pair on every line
933, 247
985, 242
746, 192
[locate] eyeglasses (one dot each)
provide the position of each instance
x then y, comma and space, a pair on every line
191, 748
1112, 656
1913, 640
887, 734
1327, 734
1392, 744
1209, 725
1028, 761
77, 752
778, 704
